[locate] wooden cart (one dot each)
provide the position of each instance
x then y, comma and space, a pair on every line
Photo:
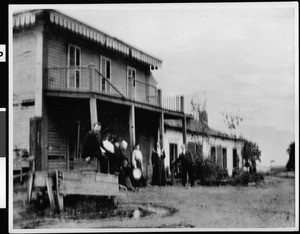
83, 181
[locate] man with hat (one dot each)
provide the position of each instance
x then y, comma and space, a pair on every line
91, 148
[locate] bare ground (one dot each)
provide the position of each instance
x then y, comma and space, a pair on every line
270, 204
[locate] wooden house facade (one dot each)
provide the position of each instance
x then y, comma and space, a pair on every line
68, 75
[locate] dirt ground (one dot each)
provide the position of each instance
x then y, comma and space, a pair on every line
270, 204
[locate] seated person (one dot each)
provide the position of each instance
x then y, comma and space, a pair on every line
125, 174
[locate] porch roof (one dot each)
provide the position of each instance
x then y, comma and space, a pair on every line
29, 18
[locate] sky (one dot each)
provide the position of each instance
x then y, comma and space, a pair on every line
240, 57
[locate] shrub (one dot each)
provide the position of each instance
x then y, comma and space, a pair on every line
209, 173
243, 178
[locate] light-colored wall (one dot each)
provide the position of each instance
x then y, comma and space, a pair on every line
24, 52
21, 126
24, 78
175, 136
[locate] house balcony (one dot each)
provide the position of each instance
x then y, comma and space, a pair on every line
88, 81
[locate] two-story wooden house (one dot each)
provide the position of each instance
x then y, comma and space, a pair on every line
68, 75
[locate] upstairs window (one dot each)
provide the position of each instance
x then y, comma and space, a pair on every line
74, 65
105, 69
131, 79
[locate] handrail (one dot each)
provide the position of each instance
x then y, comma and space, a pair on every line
91, 79
144, 83
109, 83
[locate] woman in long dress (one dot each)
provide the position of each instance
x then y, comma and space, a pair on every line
158, 164
137, 162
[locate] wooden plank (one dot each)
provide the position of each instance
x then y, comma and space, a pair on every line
39, 178
100, 177
21, 175
60, 198
30, 185
97, 189
82, 165
74, 176
49, 184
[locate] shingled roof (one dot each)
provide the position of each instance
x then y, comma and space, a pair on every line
194, 127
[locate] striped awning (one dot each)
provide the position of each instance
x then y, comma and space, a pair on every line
24, 19
57, 18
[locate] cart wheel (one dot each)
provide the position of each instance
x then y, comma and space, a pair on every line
30, 185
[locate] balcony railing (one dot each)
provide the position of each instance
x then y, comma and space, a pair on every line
173, 103
78, 79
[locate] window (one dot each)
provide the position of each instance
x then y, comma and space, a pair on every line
131, 77
105, 69
213, 154
74, 64
235, 159
198, 150
224, 158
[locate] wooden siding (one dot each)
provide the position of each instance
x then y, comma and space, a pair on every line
57, 139
57, 52
58, 57
63, 117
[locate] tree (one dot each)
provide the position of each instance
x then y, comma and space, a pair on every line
250, 154
200, 124
232, 120
290, 166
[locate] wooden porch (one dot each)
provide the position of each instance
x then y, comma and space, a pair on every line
88, 82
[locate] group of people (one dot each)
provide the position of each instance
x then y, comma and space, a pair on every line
112, 157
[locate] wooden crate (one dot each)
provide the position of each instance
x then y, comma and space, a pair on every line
87, 183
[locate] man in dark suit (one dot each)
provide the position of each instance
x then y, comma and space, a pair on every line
91, 148
187, 161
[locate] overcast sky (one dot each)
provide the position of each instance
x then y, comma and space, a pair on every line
241, 56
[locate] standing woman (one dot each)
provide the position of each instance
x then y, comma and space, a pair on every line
137, 158
137, 162
158, 164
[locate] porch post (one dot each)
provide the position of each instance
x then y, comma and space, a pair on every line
159, 96
184, 129
132, 128
93, 111
161, 129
